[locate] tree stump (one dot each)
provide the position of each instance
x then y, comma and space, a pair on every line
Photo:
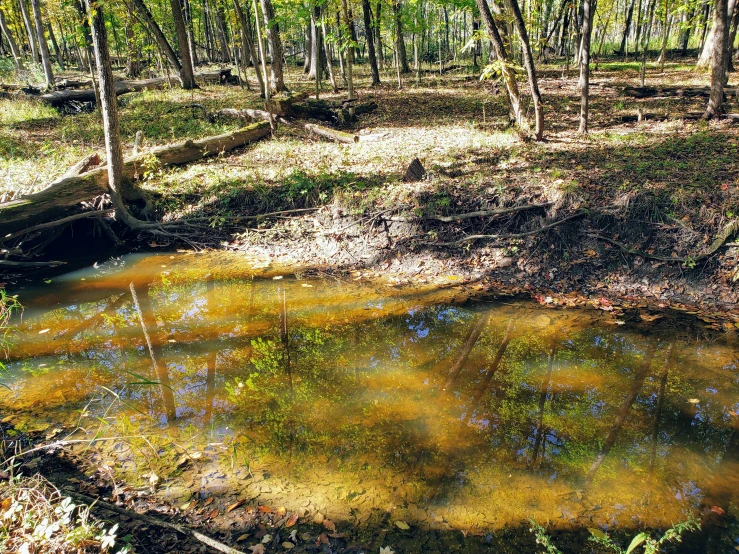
415, 172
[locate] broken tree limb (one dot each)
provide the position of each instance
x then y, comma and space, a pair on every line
331, 134
56, 223
53, 202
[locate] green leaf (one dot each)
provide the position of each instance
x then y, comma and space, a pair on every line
636, 541
597, 533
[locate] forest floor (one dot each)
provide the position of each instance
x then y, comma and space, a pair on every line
665, 188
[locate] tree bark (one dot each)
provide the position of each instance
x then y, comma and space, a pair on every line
249, 43
627, 28
528, 60
17, 57
514, 96
159, 37
718, 59
399, 40
32, 44
587, 26
317, 58
277, 79
43, 46
367, 13
378, 35
187, 72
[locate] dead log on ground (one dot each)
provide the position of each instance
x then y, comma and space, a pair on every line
331, 134
283, 105
54, 202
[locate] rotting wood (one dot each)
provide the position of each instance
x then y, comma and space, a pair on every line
331, 134
54, 201
283, 105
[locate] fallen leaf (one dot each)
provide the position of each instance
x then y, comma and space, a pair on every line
292, 520
288, 545
330, 525
322, 539
266, 539
281, 511
402, 525
257, 549
43, 331
318, 518
694, 401
264, 509
718, 510
209, 501
212, 515
243, 537
235, 505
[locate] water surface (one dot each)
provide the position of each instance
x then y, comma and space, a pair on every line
358, 401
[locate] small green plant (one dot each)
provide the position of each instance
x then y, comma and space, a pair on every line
8, 304
542, 538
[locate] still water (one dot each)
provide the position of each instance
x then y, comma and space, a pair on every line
334, 396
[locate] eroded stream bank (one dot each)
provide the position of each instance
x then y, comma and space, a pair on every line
414, 418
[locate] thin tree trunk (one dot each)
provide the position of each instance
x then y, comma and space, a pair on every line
32, 43
248, 43
329, 61
627, 28
542, 401
43, 46
467, 346
378, 35
509, 78
658, 410
528, 60
11, 42
222, 33
318, 59
399, 41
158, 35
55, 45
587, 24
187, 73
367, 12
277, 80
187, 14
718, 60
349, 63
262, 56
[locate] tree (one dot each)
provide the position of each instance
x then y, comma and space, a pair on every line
399, 41
158, 35
29, 29
367, 13
514, 96
11, 41
719, 60
43, 46
187, 73
528, 61
277, 79
587, 25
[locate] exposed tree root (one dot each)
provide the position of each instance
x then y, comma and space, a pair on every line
720, 241
469, 215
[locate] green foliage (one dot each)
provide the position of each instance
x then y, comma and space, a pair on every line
8, 305
651, 545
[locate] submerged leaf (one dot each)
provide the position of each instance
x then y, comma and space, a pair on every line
636, 541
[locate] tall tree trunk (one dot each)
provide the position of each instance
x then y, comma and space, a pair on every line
43, 46
378, 35
327, 49
308, 50
248, 43
222, 33
187, 14
718, 59
133, 61
627, 28
349, 62
509, 78
468, 344
367, 12
732, 37
262, 55
277, 80
686, 26
109, 109
587, 26
11, 41
544, 391
187, 73
317, 57
528, 61
159, 37
32, 43
399, 40
55, 45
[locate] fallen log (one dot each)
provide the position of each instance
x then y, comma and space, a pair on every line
283, 105
53, 202
331, 134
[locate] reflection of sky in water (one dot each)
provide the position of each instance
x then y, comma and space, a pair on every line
366, 390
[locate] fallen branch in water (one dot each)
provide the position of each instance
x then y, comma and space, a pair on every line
154, 521
50, 224
720, 241
505, 236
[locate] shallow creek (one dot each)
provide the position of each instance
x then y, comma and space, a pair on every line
370, 403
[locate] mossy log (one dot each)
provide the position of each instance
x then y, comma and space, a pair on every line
331, 134
55, 201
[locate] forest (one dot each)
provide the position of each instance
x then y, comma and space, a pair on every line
361, 276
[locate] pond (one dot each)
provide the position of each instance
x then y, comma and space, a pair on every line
416, 409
